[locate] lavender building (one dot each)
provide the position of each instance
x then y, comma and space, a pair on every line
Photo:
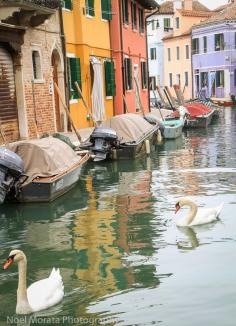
214, 55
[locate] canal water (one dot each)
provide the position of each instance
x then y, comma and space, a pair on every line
114, 238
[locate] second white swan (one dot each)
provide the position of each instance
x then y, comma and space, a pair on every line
197, 216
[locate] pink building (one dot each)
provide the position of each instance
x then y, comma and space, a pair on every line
129, 51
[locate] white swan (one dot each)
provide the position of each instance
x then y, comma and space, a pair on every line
39, 295
196, 216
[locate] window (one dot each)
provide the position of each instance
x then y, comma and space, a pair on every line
128, 74
204, 79
220, 80
166, 24
169, 54
74, 76
144, 74
106, 9
155, 24
187, 51
235, 40
37, 71
170, 80
125, 11
219, 42
134, 15
152, 83
110, 78
195, 45
178, 79
177, 52
68, 4
235, 77
90, 8
177, 22
205, 44
141, 20
186, 78
153, 53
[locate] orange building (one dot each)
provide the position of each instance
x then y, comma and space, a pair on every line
129, 52
177, 45
87, 34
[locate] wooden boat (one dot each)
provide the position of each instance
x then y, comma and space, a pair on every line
47, 189
172, 127
51, 166
125, 136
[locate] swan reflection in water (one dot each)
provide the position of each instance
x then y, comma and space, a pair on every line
192, 236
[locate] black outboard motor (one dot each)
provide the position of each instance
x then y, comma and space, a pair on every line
102, 140
11, 169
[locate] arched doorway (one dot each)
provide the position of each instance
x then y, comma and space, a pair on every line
58, 79
9, 124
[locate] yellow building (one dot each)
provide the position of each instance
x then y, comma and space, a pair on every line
87, 36
177, 45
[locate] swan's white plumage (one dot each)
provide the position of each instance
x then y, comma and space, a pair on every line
202, 216
39, 295
47, 292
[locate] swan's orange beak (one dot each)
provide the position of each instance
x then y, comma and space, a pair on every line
8, 263
177, 208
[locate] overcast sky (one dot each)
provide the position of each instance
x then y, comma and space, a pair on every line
211, 4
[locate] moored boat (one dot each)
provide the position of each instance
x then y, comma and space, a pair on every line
124, 136
51, 168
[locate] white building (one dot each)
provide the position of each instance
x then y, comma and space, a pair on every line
159, 24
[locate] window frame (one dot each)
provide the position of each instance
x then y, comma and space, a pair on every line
128, 73
37, 65
170, 79
177, 53
204, 44
141, 20
134, 16
187, 51
90, 10
107, 13
125, 12
153, 53
195, 45
144, 74
220, 46
169, 54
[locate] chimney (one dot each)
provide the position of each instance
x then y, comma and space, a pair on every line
177, 4
188, 5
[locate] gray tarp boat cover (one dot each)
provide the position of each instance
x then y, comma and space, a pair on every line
129, 127
44, 157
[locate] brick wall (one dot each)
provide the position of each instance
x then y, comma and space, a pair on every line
40, 109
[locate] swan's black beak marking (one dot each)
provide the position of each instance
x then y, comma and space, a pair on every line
9, 261
177, 207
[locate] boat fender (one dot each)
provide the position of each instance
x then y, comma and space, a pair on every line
159, 137
114, 154
147, 145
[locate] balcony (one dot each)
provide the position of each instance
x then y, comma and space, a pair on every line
27, 12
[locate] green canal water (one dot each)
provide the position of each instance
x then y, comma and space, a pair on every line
123, 260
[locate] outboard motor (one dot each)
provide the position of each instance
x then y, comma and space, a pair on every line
11, 169
102, 140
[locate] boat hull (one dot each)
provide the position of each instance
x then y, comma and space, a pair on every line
50, 188
173, 129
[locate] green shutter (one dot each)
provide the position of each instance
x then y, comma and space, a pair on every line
75, 76
106, 9
110, 78
90, 7
68, 4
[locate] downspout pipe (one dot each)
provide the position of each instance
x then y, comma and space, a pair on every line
63, 43
148, 86
122, 53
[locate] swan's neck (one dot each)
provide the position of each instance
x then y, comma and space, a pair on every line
22, 306
191, 214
